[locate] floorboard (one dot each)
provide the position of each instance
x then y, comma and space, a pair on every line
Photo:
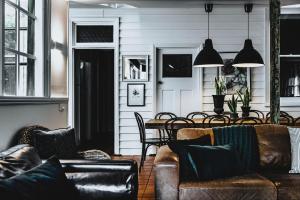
146, 177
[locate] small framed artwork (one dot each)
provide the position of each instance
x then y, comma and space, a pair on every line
136, 94
135, 68
237, 79
177, 65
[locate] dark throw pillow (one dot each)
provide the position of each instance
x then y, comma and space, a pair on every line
178, 147
213, 162
47, 181
59, 142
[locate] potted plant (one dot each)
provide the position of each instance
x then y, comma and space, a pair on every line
232, 105
245, 98
219, 96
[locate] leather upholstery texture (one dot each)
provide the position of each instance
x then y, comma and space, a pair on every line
274, 146
94, 179
193, 133
246, 187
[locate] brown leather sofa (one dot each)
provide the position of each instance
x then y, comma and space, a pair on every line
271, 182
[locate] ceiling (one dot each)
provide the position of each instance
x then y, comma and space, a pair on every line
166, 3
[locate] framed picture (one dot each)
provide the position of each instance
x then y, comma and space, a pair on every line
237, 79
177, 65
135, 68
136, 94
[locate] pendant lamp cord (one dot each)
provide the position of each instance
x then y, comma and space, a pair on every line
208, 24
248, 9
248, 25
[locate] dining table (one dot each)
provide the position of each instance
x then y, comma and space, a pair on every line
160, 123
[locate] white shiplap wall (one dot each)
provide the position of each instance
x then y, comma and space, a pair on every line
141, 29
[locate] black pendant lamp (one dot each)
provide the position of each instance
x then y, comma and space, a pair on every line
248, 56
208, 56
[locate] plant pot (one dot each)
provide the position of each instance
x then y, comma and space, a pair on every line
245, 111
218, 103
234, 115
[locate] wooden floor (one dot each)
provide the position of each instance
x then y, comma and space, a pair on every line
146, 177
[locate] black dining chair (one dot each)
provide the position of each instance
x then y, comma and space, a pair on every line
258, 113
194, 115
283, 119
248, 121
282, 113
146, 142
222, 120
173, 125
163, 135
297, 122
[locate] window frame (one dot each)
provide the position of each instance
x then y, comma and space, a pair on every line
45, 61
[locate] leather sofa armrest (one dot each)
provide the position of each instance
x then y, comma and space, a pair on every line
166, 168
107, 179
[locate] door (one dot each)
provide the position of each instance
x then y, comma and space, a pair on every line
178, 83
94, 98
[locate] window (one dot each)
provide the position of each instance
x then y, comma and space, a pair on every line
290, 56
20, 72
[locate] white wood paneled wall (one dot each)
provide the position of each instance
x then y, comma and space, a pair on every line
140, 29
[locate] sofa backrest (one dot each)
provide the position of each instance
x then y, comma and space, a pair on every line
193, 133
274, 146
17, 159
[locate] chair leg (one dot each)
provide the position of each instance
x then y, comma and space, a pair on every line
142, 157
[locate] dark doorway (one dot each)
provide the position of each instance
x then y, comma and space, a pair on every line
94, 98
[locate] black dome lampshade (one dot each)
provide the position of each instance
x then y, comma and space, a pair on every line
208, 56
248, 56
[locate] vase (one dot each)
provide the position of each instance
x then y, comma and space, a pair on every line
234, 116
245, 111
218, 103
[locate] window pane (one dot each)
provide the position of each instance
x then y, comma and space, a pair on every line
26, 76
27, 5
87, 34
14, 1
10, 27
26, 34
9, 74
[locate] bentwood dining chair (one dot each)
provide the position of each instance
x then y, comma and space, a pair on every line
146, 142
215, 120
248, 121
173, 125
297, 122
194, 115
163, 135
283, 119
258, 113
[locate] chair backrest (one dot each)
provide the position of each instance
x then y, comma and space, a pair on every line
222, 120
173, 125
248, 120
165, 115
283, 119
258, 113
141, 126
297, 121
193, 115
282, 113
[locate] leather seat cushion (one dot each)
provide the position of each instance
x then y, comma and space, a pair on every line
274, 146
250, 187
288, 185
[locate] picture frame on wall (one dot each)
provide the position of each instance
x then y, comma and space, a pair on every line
136, 94
236, 79
135, 68
177, 65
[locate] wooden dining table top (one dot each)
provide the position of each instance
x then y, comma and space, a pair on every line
160, 123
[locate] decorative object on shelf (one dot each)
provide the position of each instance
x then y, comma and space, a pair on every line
245, 98
135, 68
236, 78
219, 96
232, 105
208, 56
136, 94
248, 56
177, 65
